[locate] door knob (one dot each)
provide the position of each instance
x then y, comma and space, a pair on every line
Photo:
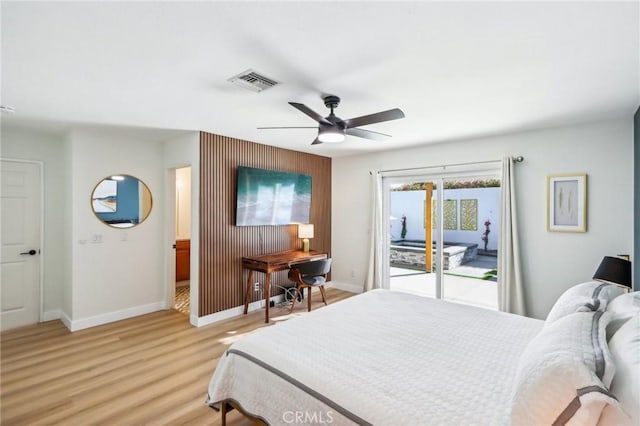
31, 252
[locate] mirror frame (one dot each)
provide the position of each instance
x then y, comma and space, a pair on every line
121, 223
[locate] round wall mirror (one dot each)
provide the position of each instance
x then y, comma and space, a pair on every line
121, 201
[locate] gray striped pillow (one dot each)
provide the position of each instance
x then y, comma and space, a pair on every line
584, 297
564, 373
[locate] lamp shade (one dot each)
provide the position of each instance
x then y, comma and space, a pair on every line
614, 270
305, 230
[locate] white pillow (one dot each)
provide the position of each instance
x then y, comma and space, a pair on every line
625, 351
621, 309
584, 297
612, 415
564, 373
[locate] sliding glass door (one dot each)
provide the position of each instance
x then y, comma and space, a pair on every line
470, 219
410, 241
442, 235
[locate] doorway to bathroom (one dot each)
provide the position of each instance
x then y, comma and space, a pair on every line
182, 242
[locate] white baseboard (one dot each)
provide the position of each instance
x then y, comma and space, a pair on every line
233, 312
79, 324
65, 320
350, 287
51, 315
239, 310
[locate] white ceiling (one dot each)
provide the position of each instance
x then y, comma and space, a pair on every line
457, 70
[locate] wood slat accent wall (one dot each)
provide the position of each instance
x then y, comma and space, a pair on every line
222, 244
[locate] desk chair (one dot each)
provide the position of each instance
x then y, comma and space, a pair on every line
309, 274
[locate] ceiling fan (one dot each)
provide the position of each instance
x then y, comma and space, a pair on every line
332, 129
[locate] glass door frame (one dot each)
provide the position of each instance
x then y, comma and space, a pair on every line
437, 177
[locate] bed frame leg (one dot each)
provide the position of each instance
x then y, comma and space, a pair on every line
224, 407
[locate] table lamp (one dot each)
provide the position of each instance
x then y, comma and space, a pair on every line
614, 270
305, 231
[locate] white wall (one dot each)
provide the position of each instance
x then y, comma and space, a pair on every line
67, 290
48, 148
183, 203
123, 275
552, 261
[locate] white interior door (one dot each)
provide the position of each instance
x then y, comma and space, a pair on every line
20, 210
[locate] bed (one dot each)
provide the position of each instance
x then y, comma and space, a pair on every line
392, 358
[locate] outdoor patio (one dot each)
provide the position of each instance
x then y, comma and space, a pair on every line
462, 284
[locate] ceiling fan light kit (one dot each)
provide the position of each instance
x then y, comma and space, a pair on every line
332, 129
330, 134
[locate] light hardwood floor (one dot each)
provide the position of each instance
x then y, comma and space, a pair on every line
152, 370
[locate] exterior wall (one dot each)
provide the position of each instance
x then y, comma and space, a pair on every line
411, 205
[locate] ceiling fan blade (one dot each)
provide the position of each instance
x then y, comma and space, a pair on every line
290, 127
367, 134
378, 117
317, 141
311, 113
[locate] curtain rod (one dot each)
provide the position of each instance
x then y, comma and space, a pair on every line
518, 159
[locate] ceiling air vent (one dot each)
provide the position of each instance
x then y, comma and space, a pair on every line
252, 80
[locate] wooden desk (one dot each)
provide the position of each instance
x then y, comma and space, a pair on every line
273, 262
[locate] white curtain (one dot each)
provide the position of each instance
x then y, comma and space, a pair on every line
374, 273
510, 294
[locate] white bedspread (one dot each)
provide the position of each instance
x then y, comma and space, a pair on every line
384, 358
